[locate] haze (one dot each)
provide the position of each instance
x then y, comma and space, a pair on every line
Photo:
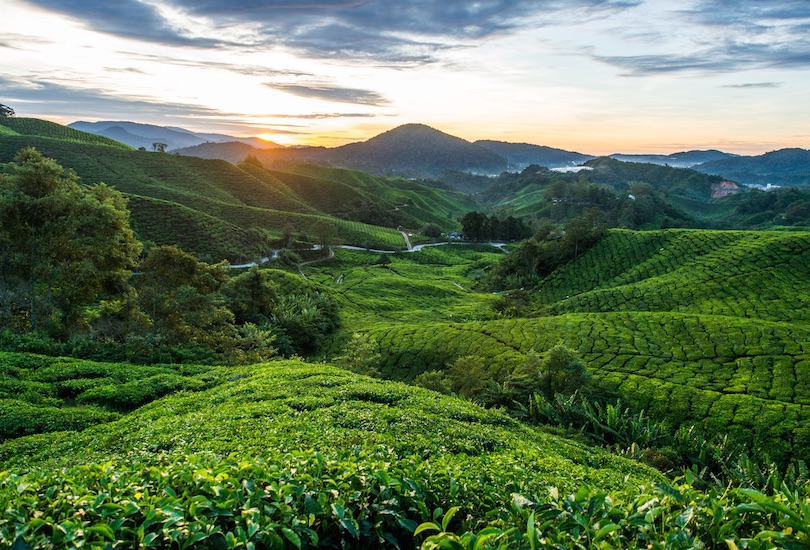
596, 76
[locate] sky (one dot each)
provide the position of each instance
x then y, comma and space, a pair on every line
594, 76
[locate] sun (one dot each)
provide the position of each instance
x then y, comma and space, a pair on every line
281, 139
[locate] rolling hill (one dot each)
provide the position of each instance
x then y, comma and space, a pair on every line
222, 211
699, 327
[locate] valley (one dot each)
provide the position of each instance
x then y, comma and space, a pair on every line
635, 373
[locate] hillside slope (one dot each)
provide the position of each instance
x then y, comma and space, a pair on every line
700, 327
223, 211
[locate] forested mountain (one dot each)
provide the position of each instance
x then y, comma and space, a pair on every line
686, 159
411, 150
782, 167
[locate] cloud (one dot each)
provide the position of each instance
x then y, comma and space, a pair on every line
735, 35
754, 85
40, 97
332, 93
392, 31
322, 116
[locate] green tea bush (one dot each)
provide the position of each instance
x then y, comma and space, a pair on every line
19, 418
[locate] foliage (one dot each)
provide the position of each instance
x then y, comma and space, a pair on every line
431, 230
373, 464
65, 247
6, 111
546, 251
360, 356
40, 394
477, 226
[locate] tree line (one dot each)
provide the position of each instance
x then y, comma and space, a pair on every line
67, 258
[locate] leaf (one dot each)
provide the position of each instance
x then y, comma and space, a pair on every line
448, 517
19, 544
427, 526
102, 529
685, 517
531, 532
604, 531
291, 536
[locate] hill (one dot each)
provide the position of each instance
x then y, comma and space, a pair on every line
138, 135
44, 128
703, 327
521, 155
219, 210
782, 167
627, 194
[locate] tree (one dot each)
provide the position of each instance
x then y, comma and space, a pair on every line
251, 296
473, 225
159, 147
63, 247
182, 297
431, 230
361, 355
6, 111
562, 371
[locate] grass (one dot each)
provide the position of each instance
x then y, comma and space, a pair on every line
430, 285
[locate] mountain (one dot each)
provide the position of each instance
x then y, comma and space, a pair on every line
219, 210
782, 167
521, 155
686, 159
145, 135
411, 150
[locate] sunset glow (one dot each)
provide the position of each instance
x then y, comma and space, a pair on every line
596, 76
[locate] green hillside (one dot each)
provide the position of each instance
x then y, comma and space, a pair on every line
223, 211
699, 327
43, 128
294, 455
757, 275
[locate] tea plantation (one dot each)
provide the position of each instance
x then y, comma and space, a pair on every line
298, 455
698, 327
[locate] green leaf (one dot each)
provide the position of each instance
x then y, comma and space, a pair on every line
427, 526
604, 531
448, 517
291, 536
102, 529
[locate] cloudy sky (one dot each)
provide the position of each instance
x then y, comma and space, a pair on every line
596, 76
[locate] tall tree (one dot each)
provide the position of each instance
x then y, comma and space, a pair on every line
63, 246
6, 111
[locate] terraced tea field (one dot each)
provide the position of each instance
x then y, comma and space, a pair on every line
699, 327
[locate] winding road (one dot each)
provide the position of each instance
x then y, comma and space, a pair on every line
417, 248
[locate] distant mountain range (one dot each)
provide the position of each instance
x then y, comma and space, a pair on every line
139, 135
686, 159
419, 151
782, 167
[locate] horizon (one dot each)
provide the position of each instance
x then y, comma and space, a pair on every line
598, 77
